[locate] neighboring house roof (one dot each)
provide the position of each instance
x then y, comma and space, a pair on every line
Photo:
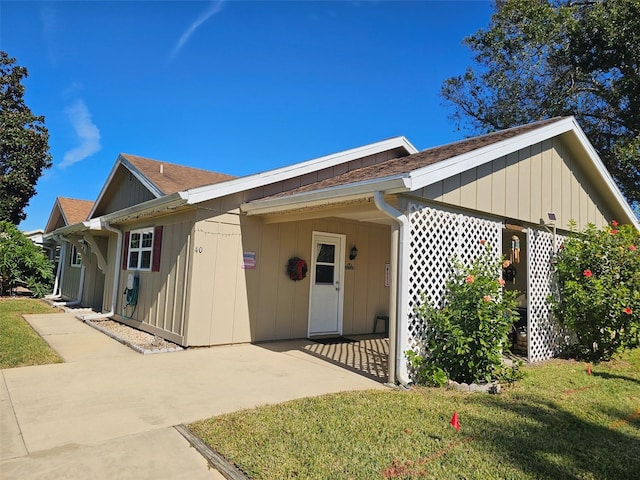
68, 211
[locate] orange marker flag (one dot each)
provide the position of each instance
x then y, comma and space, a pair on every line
588, 369
454, 421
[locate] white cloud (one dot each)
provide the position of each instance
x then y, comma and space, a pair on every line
50, 28
214, 8
87, 132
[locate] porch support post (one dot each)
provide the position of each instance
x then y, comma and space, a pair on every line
57, 285
393, 305
398, 316
116, 275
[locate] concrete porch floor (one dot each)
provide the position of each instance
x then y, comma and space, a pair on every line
363, 354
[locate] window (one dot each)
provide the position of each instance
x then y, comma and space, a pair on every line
325, 264
76, 258
142, 249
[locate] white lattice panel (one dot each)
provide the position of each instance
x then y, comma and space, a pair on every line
544, 335
438, 236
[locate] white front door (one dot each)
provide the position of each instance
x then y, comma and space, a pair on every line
327, 275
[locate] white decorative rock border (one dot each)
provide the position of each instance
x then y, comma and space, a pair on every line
493, 387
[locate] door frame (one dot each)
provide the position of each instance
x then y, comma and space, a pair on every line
339, 263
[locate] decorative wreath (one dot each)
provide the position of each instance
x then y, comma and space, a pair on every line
296, 268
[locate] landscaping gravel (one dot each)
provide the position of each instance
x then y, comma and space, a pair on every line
140, 341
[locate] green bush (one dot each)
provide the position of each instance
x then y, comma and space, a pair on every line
598, 273
465, 339
22, 263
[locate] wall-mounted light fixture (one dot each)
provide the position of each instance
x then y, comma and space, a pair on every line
552, 230
353, 253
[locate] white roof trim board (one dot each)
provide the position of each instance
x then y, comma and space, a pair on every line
134, 171
209, 192
403, 182
351, 191
431, 174
436, 172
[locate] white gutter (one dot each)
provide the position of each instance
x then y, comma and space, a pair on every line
398, 317
217, 190
394, 184
116, 276
147, 208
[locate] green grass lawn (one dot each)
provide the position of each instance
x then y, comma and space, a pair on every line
557, 423
20, 345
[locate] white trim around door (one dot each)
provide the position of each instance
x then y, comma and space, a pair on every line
326, 291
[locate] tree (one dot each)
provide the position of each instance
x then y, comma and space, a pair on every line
24, 143
22, 262
539, 59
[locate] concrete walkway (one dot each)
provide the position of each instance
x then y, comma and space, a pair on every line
108, 412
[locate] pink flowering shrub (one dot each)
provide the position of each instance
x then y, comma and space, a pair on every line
464, 339
598, 273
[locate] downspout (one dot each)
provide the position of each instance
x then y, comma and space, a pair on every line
59, 271
78, 299
116, 276
399, 293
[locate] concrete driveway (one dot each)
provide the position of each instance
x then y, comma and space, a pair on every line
108, 412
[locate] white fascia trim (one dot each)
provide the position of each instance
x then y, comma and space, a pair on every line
141, 178
124, 162
325, 196
149, 207
68, 230
202, 194
106, 184
606, 176
431, 174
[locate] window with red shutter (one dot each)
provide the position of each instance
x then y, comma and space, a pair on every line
142, 249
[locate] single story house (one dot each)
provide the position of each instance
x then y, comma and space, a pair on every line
208, 259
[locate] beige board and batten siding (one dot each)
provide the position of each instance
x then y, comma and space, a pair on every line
71, 279
162, 295
124, 191
527, 185
232, 304
94, 278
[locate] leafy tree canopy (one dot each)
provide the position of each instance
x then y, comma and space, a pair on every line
24, 143
22, 262
540, 59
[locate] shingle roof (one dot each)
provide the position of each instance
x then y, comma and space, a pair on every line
170, 178
74, 210
421, 159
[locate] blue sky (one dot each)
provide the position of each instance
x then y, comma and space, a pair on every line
236, 87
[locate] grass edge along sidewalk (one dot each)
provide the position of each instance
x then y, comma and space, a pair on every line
20, 344
559, 422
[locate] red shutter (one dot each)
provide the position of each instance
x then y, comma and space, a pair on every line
157, 249
125, 251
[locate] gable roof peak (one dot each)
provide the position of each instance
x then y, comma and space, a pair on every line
163, 178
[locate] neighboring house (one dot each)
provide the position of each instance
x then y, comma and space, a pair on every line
210, 252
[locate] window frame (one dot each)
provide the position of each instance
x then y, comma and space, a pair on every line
141, 248
75, 259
